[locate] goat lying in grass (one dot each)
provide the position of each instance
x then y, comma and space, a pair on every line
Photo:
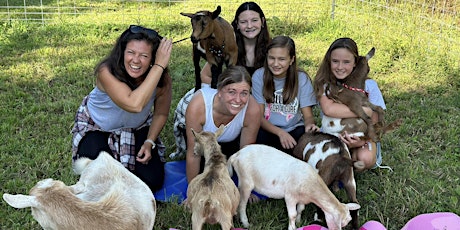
214, 40
330, 157
276, 174
212, 195
107, 197
351, 93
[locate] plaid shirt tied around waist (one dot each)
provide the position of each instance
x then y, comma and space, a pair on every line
121, 142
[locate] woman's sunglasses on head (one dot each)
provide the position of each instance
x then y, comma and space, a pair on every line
149, 32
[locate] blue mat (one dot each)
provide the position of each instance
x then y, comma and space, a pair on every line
175, 186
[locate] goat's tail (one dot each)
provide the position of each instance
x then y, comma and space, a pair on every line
211, 206
230, 166
358, 165
392, 126
80, 164
382, 128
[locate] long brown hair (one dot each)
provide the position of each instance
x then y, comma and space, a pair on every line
262, 39
324, 76
291, 85
115, 60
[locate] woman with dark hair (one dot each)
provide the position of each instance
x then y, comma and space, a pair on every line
252, 36
117, 116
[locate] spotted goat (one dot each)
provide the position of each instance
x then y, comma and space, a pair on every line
331, 159
351, 93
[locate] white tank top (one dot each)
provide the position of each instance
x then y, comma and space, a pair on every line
232, 129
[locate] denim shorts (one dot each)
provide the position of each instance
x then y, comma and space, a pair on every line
378, 156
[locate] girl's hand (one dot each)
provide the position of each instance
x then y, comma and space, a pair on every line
287, 141
351, 141
311, 128
145, 154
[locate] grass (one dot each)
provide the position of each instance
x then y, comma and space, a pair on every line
45, 70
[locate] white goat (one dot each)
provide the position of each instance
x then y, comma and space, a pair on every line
276, 174
212, 195
107, 197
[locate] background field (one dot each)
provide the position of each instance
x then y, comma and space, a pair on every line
48, 50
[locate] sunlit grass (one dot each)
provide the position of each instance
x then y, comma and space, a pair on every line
46, 70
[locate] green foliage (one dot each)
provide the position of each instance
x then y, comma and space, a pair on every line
46, 70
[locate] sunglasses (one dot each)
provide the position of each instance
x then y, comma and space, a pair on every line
149, 32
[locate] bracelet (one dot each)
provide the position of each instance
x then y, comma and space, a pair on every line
160, 66
151, 142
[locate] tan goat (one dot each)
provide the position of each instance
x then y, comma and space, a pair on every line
212, 195
107, 197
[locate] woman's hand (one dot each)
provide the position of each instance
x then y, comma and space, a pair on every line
145, 154
164, 52
352, 141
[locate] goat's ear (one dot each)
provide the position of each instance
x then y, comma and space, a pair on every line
216, 12
370, 54
190, 15
20, 201
353, 206
220, 131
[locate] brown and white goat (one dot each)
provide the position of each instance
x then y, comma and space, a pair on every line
107, 197
330, 157
214, 40
351, 93
212, 195
276, 174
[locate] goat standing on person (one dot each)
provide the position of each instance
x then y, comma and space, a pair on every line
330, 157
214, 40
107, 197
276, 174
212, 195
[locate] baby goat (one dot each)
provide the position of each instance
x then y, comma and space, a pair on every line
212, 195
331, 158
214, 40
276, 174
351, 93
107, 197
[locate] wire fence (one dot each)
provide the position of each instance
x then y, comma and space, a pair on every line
437, 18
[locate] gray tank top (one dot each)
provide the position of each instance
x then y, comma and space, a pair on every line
110, 117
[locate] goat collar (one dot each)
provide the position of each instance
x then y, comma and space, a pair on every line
219, 52
355, 89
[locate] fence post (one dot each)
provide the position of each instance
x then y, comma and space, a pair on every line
332, 9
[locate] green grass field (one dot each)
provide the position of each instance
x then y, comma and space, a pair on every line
46, 70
